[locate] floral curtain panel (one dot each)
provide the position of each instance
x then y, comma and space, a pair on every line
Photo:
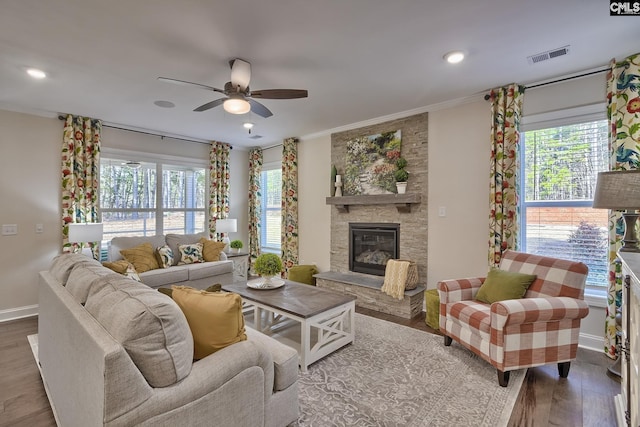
255, 203
218, 185
506, 109
80, 163
289, 242
623, 110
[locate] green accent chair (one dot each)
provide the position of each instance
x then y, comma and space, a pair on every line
432, 302
303, 274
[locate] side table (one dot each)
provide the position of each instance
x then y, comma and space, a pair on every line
240, 264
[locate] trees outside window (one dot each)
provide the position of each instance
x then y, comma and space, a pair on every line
151, 198
560, 168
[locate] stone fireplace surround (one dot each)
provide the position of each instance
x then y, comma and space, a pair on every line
413, 223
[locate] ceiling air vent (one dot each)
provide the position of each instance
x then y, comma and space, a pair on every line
255, 137
550, 54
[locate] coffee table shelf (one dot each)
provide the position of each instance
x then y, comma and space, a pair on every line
326, 318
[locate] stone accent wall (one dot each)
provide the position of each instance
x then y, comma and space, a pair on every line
413, 225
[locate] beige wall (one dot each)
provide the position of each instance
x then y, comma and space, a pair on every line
30, 194
459, 183
314, 163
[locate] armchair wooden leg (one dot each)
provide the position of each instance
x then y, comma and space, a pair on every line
447, 340
503, 378
563, 369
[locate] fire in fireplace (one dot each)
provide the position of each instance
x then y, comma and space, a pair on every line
371, 245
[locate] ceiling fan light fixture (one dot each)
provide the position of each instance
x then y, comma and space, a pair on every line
247, 125
236, 106
454, 57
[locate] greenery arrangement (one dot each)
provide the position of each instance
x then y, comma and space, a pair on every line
401, 174
268, 265
236, 244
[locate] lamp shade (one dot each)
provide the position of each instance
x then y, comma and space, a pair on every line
226, 226
618, 190
83, 233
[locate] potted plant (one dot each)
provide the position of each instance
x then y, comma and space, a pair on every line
268, 265
401, 175
236, 245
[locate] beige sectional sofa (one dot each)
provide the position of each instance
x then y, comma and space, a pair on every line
199, 276
115, 352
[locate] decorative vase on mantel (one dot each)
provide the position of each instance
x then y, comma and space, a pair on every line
401, 175
401, 187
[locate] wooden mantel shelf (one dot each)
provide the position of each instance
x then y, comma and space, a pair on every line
402, 202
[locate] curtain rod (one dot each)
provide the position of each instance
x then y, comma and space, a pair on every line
61, 117
487, 96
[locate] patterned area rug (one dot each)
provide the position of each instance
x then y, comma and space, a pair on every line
393, 375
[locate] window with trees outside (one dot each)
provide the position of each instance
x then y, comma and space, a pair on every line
560, 167
151, 198
271, 212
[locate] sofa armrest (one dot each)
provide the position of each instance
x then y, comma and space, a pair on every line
208, 375
459, 289
531, 310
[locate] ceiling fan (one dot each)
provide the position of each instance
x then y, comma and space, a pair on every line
239, 97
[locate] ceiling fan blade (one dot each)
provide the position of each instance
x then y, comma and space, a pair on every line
210, 105
259, 109
279, 93
185, 83
240, 73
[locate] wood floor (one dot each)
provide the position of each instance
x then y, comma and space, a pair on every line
583, 399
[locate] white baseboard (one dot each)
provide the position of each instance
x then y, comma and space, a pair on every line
18, 313
591, 342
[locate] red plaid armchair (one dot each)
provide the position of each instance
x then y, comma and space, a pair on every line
539, 329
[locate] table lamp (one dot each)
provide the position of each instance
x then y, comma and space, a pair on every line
226, 226
85, 233
620, 190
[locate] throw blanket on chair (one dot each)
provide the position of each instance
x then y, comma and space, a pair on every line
395, 278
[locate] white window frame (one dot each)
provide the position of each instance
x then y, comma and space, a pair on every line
594, 295
160, 160
263, 229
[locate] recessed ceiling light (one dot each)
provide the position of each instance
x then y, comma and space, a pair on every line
454, 57
164, 104
36, 74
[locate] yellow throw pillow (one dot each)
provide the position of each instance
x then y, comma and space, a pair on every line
142, 257
503, 285
215, 318
119, 266
211, 249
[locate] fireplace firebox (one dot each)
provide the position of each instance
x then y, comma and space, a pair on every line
371, 245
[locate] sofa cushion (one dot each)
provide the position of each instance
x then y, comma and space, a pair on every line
142, 257
502, 285
215, 318
150, 326
190, 254
173, 240
63, 264
472, 314
285, 359
83, 277
211, 249
208, 269
164, 254
165, 276
119, 243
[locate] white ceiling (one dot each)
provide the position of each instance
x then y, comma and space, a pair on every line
359, 59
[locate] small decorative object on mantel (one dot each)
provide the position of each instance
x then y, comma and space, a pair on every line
401, 175
268, 265
338, 186
235, 246
334, 172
